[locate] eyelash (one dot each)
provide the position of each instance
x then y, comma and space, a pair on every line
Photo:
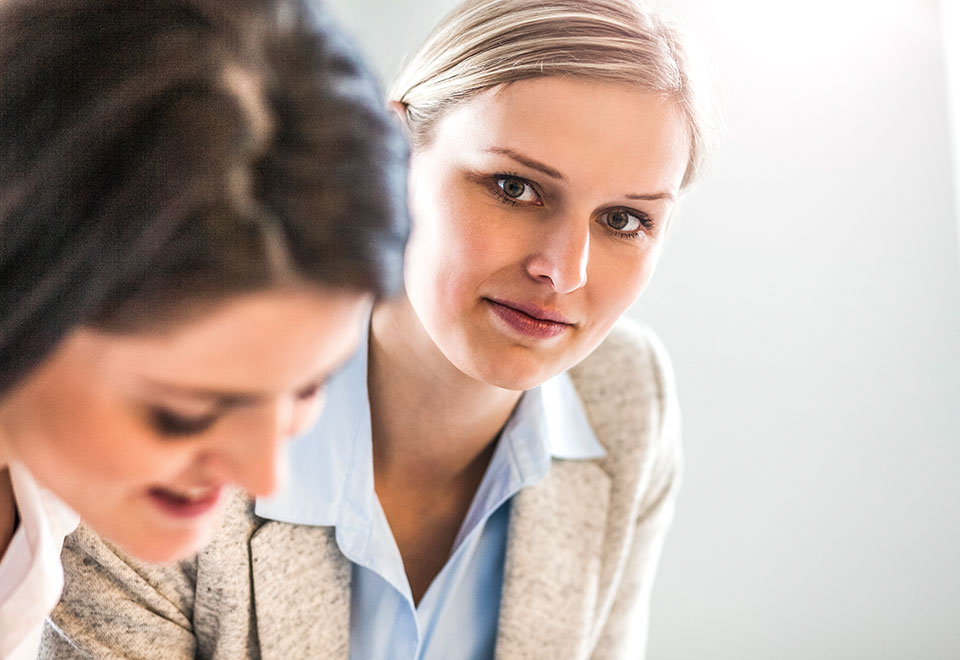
311, 391
170, 424
503, 197
645, 220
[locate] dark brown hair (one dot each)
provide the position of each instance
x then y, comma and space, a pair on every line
158, 154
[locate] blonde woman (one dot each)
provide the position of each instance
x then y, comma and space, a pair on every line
497, 466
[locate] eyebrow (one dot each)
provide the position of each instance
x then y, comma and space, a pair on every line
220, 399
652, 196
226, 399
529, 162
554, 174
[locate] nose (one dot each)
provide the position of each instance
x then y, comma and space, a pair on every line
255, 456
561, 258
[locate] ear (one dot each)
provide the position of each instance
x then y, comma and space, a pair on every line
400, 112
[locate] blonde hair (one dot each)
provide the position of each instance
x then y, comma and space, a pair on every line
485, 43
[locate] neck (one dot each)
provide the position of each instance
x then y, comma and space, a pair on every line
432, 424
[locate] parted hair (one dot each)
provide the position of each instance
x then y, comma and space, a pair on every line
158, 155
485, 43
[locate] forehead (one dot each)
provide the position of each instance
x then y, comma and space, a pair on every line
260, 341
621, 134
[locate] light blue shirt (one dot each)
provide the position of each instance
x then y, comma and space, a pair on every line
331, 484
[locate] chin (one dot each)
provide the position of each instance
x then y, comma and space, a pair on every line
173, 550
159, 546
513, 373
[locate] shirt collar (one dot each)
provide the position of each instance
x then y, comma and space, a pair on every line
566, 429
331, 465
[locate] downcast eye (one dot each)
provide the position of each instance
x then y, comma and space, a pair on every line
168, 423
310, 391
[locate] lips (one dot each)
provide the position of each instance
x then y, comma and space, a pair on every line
530, 320
187, 502
534, 311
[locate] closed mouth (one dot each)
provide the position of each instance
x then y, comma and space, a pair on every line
541, 314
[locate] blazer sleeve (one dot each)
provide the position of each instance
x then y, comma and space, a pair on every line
114, 608
624, 632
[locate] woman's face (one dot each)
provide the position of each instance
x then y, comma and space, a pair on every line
140, 433
539, 214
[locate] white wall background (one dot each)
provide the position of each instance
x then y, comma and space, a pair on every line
810, 297
951, 42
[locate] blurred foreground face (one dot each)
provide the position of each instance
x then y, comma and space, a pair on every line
140, 433
539, 215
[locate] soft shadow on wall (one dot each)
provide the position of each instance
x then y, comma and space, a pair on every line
951, 46
811, 301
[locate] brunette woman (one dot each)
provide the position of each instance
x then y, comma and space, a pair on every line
199, 199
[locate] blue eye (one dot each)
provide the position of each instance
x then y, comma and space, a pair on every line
626, 222
516, 189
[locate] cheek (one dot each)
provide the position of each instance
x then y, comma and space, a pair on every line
305, 414
84, 443
452, 250
619, 281
642, 276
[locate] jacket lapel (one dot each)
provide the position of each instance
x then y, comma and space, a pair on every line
301, 592
552, 565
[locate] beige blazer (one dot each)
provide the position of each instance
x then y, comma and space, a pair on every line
582, 549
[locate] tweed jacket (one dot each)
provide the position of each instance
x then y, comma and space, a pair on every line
582, 549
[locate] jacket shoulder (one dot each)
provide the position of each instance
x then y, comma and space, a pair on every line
628, 393
629, 367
